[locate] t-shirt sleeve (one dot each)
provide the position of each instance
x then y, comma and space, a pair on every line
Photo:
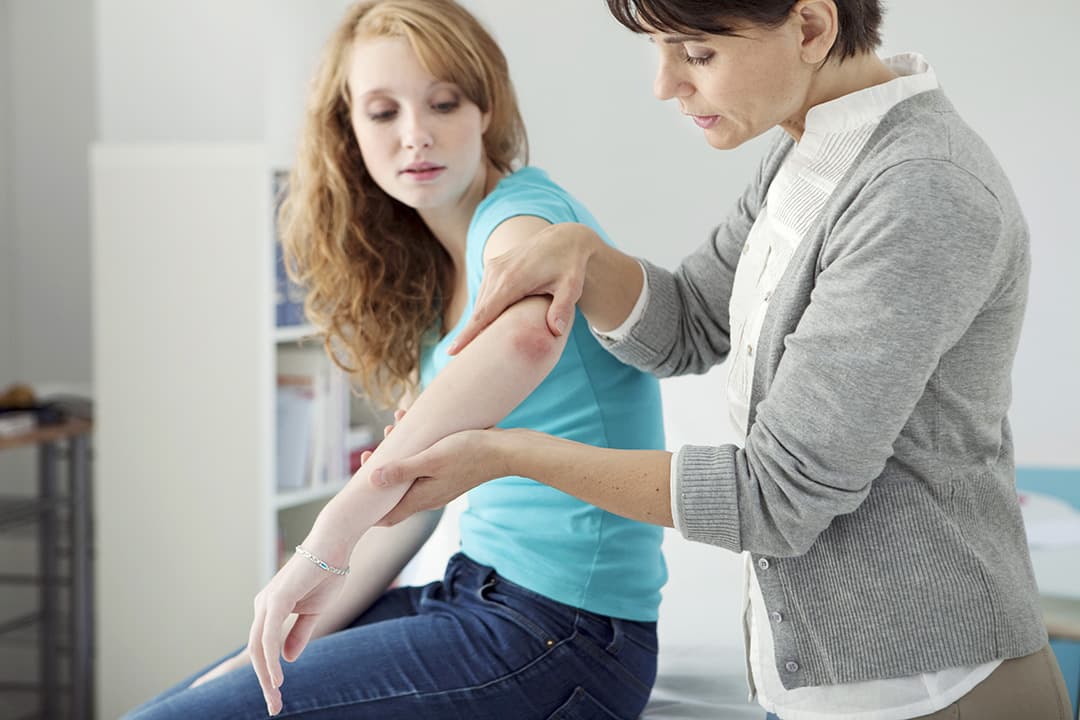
519, 199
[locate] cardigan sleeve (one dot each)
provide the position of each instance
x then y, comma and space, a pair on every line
685, 326
906, 269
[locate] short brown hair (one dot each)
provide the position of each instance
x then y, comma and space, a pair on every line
860, 20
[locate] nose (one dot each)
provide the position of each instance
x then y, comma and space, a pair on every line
668, 84
415, 134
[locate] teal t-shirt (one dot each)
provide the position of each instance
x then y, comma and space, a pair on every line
534, 535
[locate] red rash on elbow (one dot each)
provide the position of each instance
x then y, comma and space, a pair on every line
534, 344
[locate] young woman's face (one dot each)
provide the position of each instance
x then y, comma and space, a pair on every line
734, 87
420, 137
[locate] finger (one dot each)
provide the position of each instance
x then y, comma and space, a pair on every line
255, 652
364, 457
419, 497
397, 472
403, 510
387, 429
398, 414
484, 312
275, 619
563, 307
299, 636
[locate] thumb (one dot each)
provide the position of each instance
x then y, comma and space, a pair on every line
560, 313
397, 472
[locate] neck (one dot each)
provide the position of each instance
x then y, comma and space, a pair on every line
450, 223
835, 80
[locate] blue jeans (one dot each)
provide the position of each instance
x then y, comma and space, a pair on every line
471, 647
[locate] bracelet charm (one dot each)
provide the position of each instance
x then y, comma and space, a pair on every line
322, 563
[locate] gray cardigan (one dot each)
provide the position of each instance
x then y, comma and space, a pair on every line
876, 488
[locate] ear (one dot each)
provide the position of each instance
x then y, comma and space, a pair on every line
819, 25
485, 122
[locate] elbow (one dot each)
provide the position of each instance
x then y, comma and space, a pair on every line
533, 345
530, 341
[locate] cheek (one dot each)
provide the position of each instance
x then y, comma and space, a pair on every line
373, 149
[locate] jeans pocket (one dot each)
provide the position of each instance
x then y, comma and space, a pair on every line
582, 706
505, 605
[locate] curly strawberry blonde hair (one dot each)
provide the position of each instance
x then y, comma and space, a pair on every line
376, 277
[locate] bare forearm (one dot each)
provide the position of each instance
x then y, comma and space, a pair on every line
635, 484
377, 559
613, 281
476, 390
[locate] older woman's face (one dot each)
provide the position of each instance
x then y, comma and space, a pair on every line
735, 87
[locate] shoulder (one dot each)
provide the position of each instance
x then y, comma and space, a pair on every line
522, 204
526, 191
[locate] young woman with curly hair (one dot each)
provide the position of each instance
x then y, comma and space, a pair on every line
411, 177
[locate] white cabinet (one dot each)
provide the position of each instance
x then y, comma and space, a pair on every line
186, 510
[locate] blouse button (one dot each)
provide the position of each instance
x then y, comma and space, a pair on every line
792, 667
763, 563
776, 617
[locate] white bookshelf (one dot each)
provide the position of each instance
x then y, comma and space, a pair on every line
185, 348
297, 333
284, 500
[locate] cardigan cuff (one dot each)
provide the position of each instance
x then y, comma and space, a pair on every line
706, 496
657, 322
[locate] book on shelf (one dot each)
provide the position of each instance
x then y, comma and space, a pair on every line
288, 296
312, 419
294, 406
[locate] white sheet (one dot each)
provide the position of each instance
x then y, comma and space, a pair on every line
701, 682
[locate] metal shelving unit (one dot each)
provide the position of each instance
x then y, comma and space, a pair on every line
60, 628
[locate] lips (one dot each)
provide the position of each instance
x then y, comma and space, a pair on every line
705, 121
423, 171
422, 167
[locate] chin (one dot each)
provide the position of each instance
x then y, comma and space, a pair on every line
723, 143
420, 198
730, 137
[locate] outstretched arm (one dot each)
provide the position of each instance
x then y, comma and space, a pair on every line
477, 389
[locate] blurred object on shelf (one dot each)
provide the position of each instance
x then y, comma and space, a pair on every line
22, 410
17, 396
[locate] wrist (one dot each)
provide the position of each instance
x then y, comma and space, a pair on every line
504, 450
331, 537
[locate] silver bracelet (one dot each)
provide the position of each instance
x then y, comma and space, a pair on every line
320, 563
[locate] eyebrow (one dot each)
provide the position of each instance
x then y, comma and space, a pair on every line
677, 39
386, 91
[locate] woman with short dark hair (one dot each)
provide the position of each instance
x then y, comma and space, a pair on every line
867, 292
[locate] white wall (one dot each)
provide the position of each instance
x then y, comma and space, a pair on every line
51, 113
7, 295
179, 71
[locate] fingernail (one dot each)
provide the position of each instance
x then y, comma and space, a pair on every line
378, 479
560, 325
452, 349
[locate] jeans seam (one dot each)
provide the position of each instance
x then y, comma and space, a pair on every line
494, 681
517, 616
602, 655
